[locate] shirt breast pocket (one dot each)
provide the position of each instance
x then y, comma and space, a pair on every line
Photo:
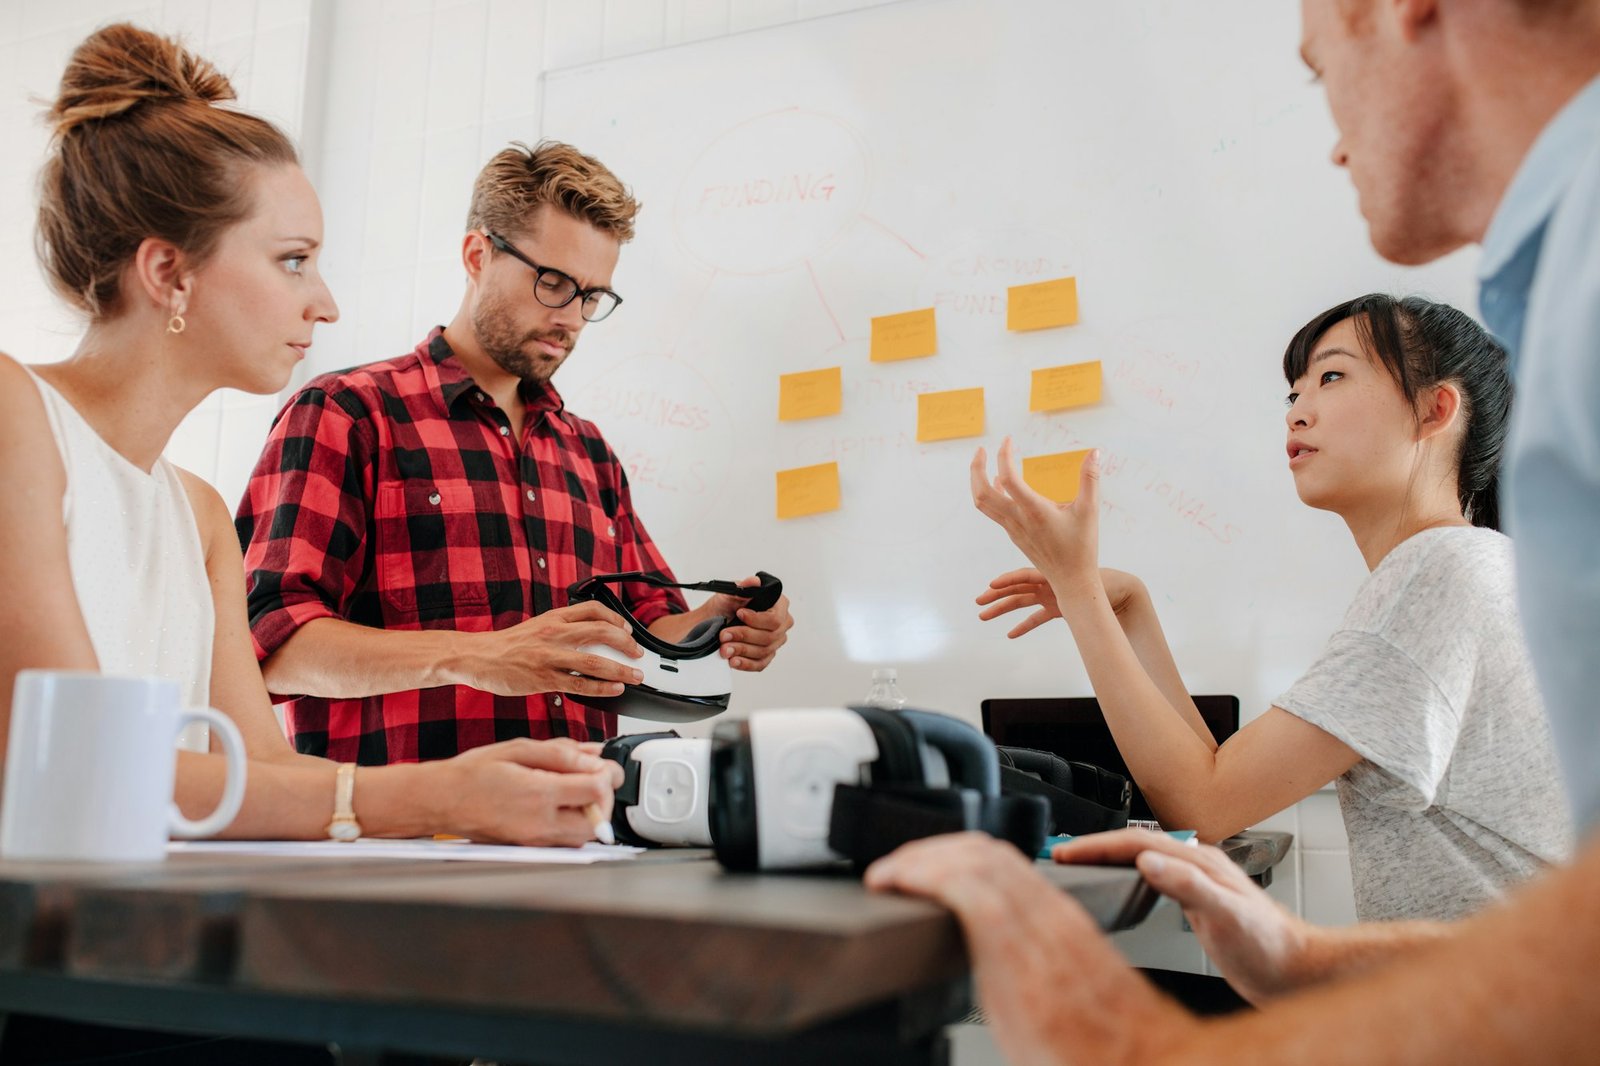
595, 547
434, 560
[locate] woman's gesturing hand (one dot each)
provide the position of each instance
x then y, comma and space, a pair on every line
1061, 539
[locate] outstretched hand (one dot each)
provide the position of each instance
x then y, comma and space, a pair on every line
1258, 946
1061, 539
1017, 590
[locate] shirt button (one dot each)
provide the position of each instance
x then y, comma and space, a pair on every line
505, 431
611, 531
481, 397
556, 700
541, 564
530, 495
433, 498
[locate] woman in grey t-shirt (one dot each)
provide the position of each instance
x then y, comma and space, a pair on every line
1423, 705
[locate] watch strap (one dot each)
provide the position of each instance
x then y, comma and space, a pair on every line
344, 825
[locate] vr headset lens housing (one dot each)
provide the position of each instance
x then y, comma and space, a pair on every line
685, 680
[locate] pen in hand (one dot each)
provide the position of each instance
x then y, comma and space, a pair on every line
602, 826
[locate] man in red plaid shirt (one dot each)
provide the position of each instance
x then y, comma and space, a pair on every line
413, 525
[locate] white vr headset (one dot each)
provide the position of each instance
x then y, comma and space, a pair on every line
665, 796
685, 680
789, 789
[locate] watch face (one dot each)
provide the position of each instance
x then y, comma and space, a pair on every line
344, 830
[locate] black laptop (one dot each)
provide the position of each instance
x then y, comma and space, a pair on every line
1073, 728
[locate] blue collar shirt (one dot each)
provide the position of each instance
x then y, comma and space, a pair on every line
1540, 294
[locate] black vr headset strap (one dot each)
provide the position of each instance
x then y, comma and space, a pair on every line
899, 742
869, 821
1082, 798
620, 751
699, 642
762, 597
1023, 820
969, 753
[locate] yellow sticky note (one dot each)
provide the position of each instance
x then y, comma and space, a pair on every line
1056, 387
1042, 304
810, 395
808, 490
1055, 476
905, 336
947, 415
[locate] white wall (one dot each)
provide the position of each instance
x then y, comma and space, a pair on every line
264, 48
396, 104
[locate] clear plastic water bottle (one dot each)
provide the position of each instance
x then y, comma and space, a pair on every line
885, 692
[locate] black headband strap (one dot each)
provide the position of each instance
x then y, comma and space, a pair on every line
761, 597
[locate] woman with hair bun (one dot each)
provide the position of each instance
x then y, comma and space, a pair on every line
1423, 707
189, 237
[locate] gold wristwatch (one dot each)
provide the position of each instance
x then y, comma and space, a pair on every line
344, 825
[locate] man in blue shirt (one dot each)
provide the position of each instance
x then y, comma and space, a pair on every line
1460, 121
1541, 293
1480, 121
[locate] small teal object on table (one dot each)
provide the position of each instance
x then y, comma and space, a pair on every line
1186, 835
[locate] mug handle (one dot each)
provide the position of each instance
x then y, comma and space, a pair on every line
233, 786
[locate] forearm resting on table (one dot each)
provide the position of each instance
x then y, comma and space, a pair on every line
336, 659
1332, 953
1512, 984
291, 798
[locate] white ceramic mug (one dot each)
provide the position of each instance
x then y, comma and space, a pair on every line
90, 767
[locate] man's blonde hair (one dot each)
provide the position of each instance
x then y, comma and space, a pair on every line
518, 180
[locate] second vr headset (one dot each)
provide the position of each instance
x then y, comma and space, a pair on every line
790, 789
684, 680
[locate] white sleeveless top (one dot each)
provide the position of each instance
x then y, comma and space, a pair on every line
137, 564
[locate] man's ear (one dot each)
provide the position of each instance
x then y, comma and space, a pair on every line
1438, 409
475, 252
161, 272
1411, 17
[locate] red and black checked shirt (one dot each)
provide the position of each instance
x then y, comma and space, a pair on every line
393, 496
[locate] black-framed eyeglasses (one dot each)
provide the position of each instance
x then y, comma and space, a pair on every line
556, 289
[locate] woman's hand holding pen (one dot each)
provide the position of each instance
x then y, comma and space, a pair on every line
523, 791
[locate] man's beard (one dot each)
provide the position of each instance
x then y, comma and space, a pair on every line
507, 346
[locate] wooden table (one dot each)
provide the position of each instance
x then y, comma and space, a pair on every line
664, 959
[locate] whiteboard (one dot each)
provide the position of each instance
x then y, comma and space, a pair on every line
797, 181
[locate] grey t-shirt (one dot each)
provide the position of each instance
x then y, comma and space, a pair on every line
1457, 795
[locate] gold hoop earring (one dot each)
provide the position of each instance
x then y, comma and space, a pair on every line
176, 324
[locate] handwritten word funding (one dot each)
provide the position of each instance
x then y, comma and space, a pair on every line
763, 192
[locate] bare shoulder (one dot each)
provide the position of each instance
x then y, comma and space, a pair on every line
18, 391
28, 452
211, 514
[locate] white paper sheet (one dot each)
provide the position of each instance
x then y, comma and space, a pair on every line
372, 848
